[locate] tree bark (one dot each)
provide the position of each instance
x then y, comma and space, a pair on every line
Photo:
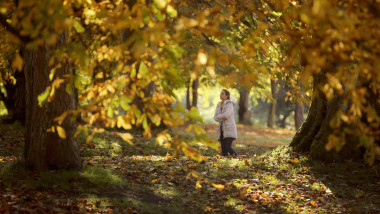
188, 106
298, 115
195, 87
272, 107
46, 150
244, 114
282, 122
20, 98
313, 134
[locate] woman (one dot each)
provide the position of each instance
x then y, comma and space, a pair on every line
227, 131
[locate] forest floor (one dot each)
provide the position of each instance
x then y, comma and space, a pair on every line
144, 178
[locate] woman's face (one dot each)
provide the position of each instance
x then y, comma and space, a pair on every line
223, 95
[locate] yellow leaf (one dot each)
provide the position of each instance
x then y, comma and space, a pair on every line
196, 129
110, 88
218, 186
154, 181
121, 122
127, 137
171, 11
61, 132
89, 138
60, 118
43, 97
163, 138
359, 194
333, 142
160, 3
313, 203
295, 160
198, 184
18, 63
52, 129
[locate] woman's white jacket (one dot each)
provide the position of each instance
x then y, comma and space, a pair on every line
226, 116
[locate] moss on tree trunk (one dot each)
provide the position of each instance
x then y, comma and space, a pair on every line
313, 135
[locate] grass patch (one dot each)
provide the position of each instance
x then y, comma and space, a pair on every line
102, 177
66, 180
110, 144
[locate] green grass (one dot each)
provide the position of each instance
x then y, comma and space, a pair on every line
102, 177
107, 144
61, 179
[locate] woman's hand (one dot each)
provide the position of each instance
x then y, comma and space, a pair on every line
224, 116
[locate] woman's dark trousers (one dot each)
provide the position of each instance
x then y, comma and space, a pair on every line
226, 144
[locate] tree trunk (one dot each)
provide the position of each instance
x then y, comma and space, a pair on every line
20, 98
313, 134
46, 150
195, 87
282, 122
188, 106
298, 115
14, 100
272, 107
244, 115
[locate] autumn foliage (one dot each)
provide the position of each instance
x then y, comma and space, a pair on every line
125, 58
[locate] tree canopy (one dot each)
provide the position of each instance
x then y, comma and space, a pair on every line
125, 58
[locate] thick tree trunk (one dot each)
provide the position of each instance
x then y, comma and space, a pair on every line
244, 115
195, 87
272, 107
298, 115
46, 150
313, 134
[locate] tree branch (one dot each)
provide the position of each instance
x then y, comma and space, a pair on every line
12, 30
216, 44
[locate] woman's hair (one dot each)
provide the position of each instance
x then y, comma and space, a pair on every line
227, 93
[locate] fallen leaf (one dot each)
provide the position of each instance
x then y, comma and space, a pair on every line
295, 160
218, 186
359, 194
313, 203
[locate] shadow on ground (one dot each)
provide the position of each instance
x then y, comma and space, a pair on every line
355, 185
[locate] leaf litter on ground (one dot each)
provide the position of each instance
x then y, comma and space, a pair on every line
118, 177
